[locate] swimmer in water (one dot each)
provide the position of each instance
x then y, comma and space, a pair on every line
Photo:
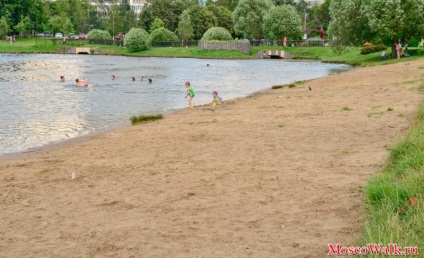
133, 79
150, 81
62, 78
82, 83
113, 77
142, 78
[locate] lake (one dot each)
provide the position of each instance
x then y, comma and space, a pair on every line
36, 109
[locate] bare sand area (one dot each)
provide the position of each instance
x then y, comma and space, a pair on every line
277, 174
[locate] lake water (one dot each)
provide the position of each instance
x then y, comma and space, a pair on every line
36, 109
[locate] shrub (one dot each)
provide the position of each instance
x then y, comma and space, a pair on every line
98, 34
163, 34
137, 40
217, 33
372, 49
144, 118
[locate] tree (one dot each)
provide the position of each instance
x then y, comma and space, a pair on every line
156, 24
223, 16
67, 27
98, 34
185, 29
248, 17
282, 21
201, 20
162, 34
349, 25
168, 11
357, 21
136, 40
217, 33
394, 20
23, 25
60, 23
4, 26
228, 4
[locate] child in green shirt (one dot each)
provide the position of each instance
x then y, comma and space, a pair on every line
190, 94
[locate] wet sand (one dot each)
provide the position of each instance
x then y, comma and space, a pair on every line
277, 174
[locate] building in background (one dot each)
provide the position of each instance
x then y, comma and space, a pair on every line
312, 2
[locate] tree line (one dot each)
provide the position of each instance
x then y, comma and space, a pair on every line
189, 19
348, 22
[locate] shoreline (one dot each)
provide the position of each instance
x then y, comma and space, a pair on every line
276, 173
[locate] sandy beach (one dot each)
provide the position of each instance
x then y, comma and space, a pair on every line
277, 174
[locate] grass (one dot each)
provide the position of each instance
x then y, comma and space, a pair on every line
346, 109
389, 109
392, 217
144, 118
349, 56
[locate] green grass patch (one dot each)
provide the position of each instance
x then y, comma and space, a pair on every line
346, 109
391, 218
351, 56
144, 118
389, 109
277, 87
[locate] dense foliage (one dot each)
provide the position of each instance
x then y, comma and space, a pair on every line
282, 21
372, 49
185, 29
248, 18
389, 21
98, 34
137, 40
217, 33
163, 34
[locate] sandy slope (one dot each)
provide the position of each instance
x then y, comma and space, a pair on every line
277, 174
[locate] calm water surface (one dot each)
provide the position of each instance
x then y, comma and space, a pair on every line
36, 109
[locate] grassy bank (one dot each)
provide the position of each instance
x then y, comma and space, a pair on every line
350, 56
395, 198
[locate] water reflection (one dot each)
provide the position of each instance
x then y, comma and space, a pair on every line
36, 109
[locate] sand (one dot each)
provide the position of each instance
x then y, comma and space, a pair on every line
277, 174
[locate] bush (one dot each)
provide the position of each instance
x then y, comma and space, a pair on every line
137, 40
217, 33
372, 49
144, 118
163, 34
98, 34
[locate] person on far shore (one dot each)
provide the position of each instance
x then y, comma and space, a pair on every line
216, 99
113, 77
142, 78
62, 78
398, 49
82, 83
383, 55
190, 94
150, 81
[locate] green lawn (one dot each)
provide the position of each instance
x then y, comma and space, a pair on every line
395, 198
350, 56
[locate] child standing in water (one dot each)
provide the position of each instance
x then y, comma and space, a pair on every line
190, 94
216, 99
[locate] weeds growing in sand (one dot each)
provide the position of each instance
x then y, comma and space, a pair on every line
301, 82
145, 118
390, 109
346, 109
277, 87
401, 115
292, 85
395, 198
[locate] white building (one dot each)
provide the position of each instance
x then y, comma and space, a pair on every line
312, 2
